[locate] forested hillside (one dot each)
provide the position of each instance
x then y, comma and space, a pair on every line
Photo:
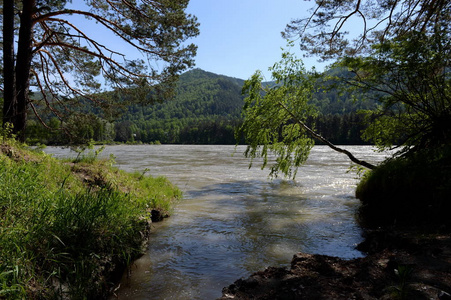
205, 110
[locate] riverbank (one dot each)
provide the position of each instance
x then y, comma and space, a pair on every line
69, 227
399, 265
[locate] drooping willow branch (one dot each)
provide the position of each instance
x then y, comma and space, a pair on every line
324, 140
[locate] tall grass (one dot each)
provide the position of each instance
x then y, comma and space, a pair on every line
65, 228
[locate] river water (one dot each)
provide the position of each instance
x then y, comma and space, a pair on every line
233, 221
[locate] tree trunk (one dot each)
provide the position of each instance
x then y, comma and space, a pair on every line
23, 66
9, 84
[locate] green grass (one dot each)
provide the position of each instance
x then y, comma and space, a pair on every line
66, 228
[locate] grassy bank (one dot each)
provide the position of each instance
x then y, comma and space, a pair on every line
66, 227
413, 190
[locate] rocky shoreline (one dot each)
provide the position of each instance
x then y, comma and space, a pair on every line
398, 265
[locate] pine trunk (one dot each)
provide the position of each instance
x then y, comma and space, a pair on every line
9, 83
23, 66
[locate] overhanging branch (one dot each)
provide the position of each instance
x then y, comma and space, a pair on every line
324, 140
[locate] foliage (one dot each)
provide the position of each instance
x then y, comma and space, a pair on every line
273, 117
411, 74
334, 98
205, 110
66, 66
403, 290
89, 157
67, 227
411, 190
401, 58
330, 31
345, 129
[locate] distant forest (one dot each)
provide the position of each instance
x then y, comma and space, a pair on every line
206, 109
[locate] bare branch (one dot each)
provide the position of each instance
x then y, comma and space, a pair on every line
61, 73
113, 27
38, 116
44, 95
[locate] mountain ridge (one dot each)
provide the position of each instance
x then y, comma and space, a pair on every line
205, 110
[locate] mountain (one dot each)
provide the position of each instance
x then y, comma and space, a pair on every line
200, 95
206, 110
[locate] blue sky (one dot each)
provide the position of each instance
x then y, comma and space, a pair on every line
238, 37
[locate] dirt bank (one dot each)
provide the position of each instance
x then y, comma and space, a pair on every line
398, 266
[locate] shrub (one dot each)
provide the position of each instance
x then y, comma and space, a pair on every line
413, 190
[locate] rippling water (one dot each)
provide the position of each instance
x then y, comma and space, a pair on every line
234, 221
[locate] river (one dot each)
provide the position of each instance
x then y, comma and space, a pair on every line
233, 221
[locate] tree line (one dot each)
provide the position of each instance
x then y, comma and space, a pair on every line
206, 110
